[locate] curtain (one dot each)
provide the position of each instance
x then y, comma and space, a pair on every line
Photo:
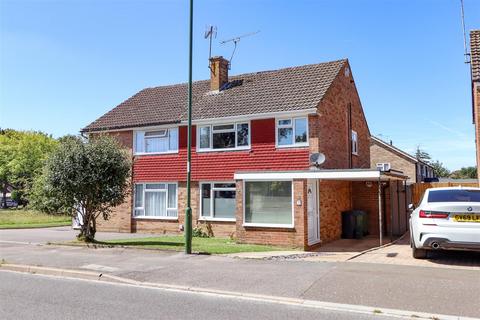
155, 203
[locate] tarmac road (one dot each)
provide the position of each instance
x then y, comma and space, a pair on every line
25, 296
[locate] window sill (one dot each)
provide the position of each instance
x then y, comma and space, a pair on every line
268, 225
355, 153
217, 219
155, 218
222, 150
154, 153
292, 146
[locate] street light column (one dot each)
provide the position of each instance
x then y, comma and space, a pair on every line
188, 211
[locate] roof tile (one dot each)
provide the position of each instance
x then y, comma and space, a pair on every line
289, 89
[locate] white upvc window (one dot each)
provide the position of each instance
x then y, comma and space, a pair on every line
292, 132
156, 141
156, 200
217, 201
227, 136
354, 142
383, 166
268, 204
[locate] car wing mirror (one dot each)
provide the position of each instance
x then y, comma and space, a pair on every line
411, 207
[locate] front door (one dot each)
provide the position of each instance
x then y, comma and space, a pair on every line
312, 212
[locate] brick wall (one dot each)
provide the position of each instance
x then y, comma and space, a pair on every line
335, 197
291, 237
333, 126
379, 153
365, 197
120, 219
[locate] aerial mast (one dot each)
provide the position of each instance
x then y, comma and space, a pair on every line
235, 41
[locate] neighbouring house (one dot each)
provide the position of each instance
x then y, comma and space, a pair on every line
385, 156
475, 77
277, 156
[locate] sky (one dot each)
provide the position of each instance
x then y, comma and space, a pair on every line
65, 63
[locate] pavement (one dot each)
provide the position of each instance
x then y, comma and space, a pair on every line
58, 234
436, 290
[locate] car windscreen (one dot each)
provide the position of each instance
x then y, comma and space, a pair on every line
461, 195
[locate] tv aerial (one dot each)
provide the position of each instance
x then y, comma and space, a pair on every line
210, 33
235, 41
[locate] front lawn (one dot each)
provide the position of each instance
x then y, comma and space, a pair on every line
202, 245
17, 218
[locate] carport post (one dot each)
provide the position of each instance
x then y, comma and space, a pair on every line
380, 227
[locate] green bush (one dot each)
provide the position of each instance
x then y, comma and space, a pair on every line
199, 233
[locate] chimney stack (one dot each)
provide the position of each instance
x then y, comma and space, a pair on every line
218, 72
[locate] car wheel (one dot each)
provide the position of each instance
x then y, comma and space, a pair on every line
418, 253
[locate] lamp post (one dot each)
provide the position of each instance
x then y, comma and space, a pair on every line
188, 211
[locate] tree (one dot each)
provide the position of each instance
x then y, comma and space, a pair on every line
89, 178
22, 157
439, 169
465, 173
422, 155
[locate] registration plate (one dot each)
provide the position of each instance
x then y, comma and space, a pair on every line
467, 217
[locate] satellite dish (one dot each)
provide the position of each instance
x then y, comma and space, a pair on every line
317, 159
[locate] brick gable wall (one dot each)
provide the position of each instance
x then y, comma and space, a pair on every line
333, 125
379, 153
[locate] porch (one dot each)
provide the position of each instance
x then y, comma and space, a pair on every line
318, 199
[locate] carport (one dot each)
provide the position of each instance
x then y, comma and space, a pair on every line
366, 186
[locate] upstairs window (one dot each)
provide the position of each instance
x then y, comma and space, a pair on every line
157, 141
354, 142
224, 136
292, 132
383, 166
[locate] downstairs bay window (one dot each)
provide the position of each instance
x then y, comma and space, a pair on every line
155, 200
268, 203
217, 201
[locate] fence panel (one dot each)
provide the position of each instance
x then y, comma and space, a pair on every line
418, 189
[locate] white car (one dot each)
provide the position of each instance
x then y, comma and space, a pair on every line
446, 218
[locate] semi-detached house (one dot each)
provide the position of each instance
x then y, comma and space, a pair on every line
253, 136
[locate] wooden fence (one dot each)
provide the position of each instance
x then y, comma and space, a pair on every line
418, 189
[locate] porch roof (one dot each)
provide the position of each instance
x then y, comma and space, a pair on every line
323, 174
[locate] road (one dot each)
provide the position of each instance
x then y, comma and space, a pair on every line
384, 278
25, 296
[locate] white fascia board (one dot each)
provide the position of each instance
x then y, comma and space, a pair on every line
323, 175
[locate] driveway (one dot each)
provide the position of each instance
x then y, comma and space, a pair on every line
57, 234
400, 253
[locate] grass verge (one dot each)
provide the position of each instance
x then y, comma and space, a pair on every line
201, 245
18, 218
